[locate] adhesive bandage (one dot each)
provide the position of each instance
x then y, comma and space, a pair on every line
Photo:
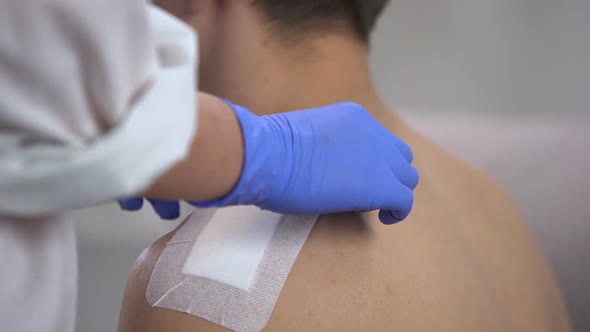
228, 266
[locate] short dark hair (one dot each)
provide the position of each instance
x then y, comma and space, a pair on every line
294, 17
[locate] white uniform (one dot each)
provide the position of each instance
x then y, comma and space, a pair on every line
97, 98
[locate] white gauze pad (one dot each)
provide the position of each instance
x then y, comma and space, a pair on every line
228, 266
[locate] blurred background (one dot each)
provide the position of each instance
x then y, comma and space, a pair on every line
505, 84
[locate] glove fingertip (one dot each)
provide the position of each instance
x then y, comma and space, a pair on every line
131, 204
169, 215
388, 217
167, 210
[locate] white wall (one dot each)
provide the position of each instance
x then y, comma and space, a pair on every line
511, 56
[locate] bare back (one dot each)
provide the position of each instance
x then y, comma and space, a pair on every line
463, 261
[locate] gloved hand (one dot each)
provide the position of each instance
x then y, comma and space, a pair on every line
327, 160
167, 210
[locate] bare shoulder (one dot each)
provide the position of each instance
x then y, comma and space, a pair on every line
498, 237
462, 185
463, 261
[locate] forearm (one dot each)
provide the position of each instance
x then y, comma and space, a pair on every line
214, 164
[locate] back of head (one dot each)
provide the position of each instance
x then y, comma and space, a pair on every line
294, 19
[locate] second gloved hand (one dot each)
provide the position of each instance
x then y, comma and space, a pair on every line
327, 160
167, 210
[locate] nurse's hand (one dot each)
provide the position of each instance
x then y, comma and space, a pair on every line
327, 160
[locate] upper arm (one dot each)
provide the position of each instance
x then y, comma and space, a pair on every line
65, 78
137, 315
81, 108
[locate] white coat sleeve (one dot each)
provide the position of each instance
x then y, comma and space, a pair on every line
97, 99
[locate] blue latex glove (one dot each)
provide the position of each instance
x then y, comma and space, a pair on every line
327, 160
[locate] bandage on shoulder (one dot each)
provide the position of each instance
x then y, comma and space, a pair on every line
229, 265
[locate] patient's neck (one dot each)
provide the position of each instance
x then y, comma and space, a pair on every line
275, 78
